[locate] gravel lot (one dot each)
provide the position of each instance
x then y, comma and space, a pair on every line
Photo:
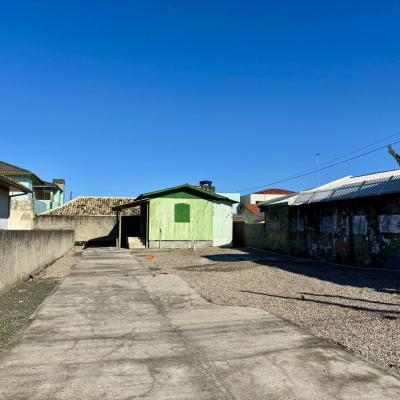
356, 308
18, 304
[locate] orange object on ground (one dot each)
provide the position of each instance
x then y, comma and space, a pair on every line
150, 256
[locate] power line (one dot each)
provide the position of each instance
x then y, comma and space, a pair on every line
328, 162
329, 166
352, 152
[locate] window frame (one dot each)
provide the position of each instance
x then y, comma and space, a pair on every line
182, 213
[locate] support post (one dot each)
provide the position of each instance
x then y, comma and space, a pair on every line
116, 233
147, 224
119, 229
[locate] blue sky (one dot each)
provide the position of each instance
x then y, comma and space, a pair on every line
124, 97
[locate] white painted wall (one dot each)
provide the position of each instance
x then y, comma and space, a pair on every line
222, 223
23, 180
233, 196
245, 212
253, 198
4, 208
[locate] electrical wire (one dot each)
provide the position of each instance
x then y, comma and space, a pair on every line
315, 170
345, 155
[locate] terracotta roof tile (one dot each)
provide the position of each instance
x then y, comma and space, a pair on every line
274, 191
85, 205
253, 208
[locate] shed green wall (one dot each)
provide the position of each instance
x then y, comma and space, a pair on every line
162, 213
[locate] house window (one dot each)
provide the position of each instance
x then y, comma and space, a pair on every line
42, 193
182, 212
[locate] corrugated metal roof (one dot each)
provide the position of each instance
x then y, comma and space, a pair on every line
353, 187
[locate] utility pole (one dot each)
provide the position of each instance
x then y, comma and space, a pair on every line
319, 183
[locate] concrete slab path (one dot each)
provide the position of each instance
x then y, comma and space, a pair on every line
113, 331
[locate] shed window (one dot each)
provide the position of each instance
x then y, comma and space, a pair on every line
182, 212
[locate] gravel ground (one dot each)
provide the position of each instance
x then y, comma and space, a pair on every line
18, 304
356, 308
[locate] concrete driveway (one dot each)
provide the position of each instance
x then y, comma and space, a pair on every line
113, 331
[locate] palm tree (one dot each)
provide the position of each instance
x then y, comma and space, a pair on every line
394, 154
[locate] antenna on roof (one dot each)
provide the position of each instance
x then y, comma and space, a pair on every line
319, 183
70, 196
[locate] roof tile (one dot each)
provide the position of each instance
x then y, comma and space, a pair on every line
274, 191
85, 205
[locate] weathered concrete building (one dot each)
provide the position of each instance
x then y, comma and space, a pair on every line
355, 220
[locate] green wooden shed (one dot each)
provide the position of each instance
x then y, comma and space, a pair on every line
183, 217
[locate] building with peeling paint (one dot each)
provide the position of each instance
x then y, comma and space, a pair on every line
354, 220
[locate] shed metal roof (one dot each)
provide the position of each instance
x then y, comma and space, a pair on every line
353, 187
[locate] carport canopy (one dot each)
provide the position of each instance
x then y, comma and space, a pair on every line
121, 207
130, 205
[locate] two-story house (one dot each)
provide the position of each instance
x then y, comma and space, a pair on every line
45, 195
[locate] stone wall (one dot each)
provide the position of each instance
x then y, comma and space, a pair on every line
249, 235
24, 253
90, 228
363, 231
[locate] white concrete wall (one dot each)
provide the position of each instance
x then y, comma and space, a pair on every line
25, 253
253, 198
22, 214
233, 196
4, 208
222, 223
86, 227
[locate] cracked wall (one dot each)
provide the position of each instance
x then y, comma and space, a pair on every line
364, 232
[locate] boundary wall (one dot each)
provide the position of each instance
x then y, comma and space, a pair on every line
249, 235
92, 229
27, 252
360, 231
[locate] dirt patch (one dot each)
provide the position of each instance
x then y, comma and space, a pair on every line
18, 304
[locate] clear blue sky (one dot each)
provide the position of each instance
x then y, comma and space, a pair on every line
124, 97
